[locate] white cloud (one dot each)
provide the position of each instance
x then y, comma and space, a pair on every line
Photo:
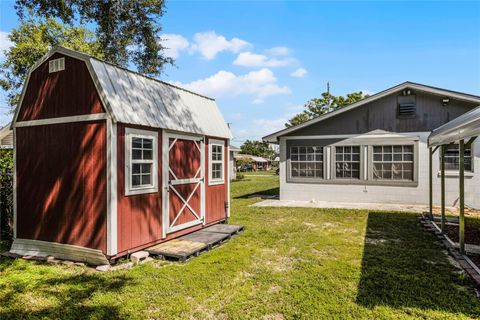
278, 51
209, 44
174, 43
5, 43
299, 73
260, 84
249, 59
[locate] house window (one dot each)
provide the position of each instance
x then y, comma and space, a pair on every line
393, 162
141, 172
306, 162
452, 158
347, 162
216, 154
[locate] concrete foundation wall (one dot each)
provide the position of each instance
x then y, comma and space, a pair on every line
389, 194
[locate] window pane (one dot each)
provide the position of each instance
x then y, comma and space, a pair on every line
135, 180
146, 168
136, 168
147, 155
136, 142
408, 149
137, 154
147, 144
146, 179
397, 157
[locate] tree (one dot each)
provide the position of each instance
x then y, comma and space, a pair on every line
128, 31
32, 40
326, 103
257, 148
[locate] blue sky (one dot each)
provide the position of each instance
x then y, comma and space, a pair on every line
263, 60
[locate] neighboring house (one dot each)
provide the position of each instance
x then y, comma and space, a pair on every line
258, 163
6, 137
232, 166
109, 161
375, 150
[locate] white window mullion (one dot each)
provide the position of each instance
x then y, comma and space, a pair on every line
216, 156
139, 179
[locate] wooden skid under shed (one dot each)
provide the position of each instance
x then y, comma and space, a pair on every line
192, 244
177, 249
209, 238
225, 228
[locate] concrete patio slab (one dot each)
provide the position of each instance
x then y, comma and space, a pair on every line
346, 205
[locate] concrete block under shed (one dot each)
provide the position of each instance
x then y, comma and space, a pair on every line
138, 256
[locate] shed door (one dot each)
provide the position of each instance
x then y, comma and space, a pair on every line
183, 182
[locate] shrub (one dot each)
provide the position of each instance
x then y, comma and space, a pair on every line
6, 193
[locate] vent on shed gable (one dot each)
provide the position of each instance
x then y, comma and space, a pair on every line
56, 65
406, 105
406, 109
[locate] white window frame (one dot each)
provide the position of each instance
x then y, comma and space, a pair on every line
212, 143
131, 133
455, 171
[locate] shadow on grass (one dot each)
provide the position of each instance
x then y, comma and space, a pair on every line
59, 296
403, 267
261, 194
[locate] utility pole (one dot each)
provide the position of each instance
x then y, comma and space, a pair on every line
328, 99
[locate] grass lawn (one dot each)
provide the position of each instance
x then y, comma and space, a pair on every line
288, 264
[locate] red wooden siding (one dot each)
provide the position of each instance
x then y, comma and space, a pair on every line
65, 93
61, 183
216, 195
139, 216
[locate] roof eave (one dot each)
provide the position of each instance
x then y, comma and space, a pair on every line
273, 138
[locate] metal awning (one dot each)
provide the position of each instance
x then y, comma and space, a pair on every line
465, 126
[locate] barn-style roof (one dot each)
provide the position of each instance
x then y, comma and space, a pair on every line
133, 98
464, 127
273, 138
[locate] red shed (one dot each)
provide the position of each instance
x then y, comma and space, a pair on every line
108, 161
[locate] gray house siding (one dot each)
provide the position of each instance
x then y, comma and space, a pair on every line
366, 193
382, 114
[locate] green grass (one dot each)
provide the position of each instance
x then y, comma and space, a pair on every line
260, 173
288, 264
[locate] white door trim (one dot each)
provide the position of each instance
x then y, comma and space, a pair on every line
167, 184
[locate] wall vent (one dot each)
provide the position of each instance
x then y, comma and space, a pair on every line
406, 110
56, 65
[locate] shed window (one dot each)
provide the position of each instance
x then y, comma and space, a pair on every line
141, 161
216, 155
306, 162
452, 158
56, 65
393, 162
347, 162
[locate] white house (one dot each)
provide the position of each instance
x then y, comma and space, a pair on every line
375, 150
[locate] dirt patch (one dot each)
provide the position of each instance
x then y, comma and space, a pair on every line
311, 225
275, 316
472, 233
329, 225
475, 259
274, 288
